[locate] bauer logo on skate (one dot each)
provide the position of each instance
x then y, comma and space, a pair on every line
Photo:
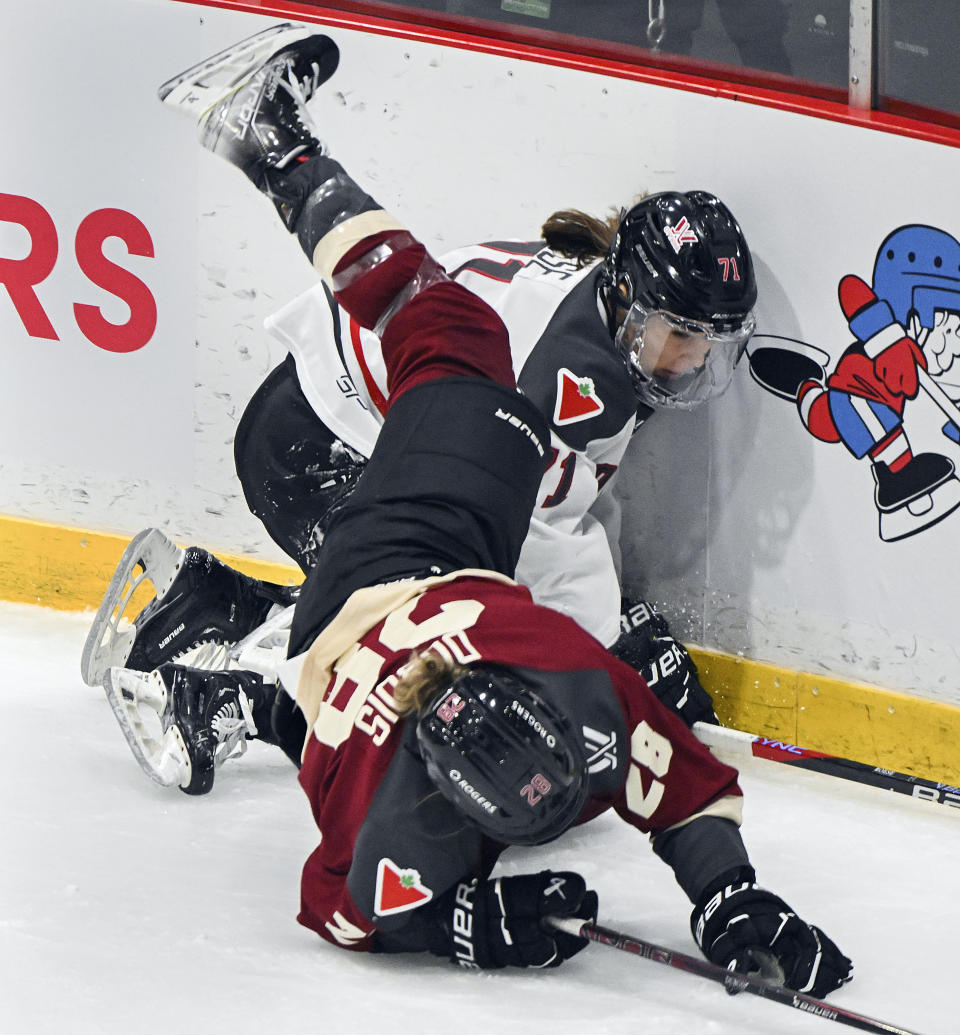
22, 276
171, 636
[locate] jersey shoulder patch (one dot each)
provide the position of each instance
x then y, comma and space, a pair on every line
577, 398
398, 889
397, 865
574, 376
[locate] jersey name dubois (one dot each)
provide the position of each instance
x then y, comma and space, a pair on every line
358, 697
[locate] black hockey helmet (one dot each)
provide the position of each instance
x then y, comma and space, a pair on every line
504, 757
679, 271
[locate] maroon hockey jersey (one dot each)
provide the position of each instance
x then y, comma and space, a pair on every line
389, 841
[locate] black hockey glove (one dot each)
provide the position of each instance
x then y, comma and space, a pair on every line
743, 927
499, 923
640, 624
673, 677
645, 644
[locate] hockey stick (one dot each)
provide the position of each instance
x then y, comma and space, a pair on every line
943, 401
830, 765
732, 981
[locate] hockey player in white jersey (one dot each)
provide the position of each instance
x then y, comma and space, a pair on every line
608, 321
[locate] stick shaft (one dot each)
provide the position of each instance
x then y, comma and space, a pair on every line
732, 981
831, 765
947, 406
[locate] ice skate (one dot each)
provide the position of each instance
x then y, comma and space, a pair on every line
783, 365
920, 513
250, 100
915, 481
181, 723
199, 609
197, 89
924, 492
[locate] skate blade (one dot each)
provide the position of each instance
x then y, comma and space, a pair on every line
920, 513
199, 88
265, 648
150, 557
139, 700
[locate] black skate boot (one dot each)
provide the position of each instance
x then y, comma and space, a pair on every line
209, 604
918, 478
919, 495
255, 97
201, 608
204, 718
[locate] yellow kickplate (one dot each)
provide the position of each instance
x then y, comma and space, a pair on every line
851, 720
69, 569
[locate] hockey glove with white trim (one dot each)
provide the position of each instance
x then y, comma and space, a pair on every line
672, 675
743, 927
640, 623
498, 923
645, 644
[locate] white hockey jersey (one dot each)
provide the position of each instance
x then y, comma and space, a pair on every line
564, 361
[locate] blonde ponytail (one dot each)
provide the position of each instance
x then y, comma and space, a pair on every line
422, 679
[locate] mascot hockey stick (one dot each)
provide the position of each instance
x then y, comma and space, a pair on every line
732, 981
946, 405
819, 762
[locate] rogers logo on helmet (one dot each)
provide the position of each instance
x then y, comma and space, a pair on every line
533, 722
471, 792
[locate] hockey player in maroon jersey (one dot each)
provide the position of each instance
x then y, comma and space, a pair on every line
438, 713
608, 320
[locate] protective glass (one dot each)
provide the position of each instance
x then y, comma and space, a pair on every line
679, 363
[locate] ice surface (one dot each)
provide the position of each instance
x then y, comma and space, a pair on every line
128, 908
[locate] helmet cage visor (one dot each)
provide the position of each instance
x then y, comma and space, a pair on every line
677, 363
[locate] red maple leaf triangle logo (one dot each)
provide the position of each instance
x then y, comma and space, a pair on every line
577, 398
398, 889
